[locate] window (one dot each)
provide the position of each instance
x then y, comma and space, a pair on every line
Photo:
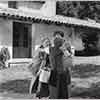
25, 41
16, 40
12, 4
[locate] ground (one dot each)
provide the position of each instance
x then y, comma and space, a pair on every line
15, 81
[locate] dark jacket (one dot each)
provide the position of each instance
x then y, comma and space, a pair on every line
56, 55
56, 59
59, 78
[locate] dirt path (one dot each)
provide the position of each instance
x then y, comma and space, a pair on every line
14, 73
14, 83
15, 96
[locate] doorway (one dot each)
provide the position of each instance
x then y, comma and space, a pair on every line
22, 40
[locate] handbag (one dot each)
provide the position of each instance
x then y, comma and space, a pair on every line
44, 75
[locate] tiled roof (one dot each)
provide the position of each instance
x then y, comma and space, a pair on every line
55, 19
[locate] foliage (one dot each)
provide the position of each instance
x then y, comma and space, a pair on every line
90, 39
79, 9
4, 56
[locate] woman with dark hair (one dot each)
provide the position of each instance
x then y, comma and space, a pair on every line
60, 78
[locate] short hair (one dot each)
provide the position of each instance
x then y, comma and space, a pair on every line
58, 32
58, 42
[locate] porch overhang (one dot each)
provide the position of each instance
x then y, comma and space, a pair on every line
33, 17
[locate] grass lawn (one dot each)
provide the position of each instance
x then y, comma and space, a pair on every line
85, 81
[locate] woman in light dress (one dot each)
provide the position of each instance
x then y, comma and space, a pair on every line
42, 53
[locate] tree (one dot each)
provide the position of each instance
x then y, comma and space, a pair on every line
83, 10
79, 9
90, 41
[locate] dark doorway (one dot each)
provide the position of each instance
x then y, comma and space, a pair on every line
22, 40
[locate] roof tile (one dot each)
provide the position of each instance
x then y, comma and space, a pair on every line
57, 18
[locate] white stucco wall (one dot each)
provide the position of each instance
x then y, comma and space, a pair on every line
29, 4
33, 38
4, 4
49, 8
6, 34
47, 30
77, 43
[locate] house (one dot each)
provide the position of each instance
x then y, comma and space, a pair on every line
23, 22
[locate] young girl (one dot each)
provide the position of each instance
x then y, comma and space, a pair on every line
43, 90
40, 61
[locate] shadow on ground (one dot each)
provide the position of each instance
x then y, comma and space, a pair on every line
93, 92
16, 89
15, 86
85, 71
22, 87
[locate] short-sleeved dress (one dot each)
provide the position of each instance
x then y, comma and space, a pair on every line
43, 89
